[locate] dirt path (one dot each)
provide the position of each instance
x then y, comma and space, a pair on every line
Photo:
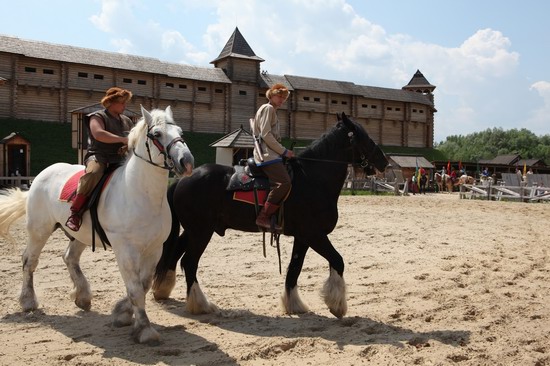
432, 280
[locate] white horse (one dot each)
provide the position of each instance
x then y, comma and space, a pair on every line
133, 211
443, 182
485, 180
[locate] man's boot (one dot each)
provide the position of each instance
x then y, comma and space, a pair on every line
264, 219
75, 220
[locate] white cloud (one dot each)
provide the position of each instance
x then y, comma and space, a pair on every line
113, 16
123, 45
539, 119
173, 40
328, 39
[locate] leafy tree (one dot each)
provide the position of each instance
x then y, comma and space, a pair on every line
492, 142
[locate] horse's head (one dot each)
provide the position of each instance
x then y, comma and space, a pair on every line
365, 151
158, 140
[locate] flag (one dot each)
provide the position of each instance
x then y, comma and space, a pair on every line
524, 168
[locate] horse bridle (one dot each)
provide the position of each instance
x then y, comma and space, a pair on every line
364, 161
162, 150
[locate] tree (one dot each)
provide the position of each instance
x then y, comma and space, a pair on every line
492, 142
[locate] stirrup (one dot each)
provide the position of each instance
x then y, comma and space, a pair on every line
71, 224
272, 228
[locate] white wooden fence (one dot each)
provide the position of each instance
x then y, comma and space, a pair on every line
16, 181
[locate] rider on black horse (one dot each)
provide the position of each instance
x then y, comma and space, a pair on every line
266, 131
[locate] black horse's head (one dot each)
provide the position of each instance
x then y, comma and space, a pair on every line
364, 150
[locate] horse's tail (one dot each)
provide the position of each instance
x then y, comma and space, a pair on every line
13, 205
168, 260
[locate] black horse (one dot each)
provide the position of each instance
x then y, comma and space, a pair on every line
203, 205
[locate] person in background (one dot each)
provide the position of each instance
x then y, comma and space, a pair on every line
107, 144
265, 127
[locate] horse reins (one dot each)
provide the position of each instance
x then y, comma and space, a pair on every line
364, 161
162, 151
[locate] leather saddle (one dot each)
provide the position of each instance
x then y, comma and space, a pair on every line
247, 177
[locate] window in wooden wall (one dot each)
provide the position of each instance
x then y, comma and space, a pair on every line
344, 102
398, 109
183, 86
334, 101
389, 108
82, 74
219, 91
414, 110
201, 88
169, 85
98, 76
127, 80
364, 105
142, 82
316, 99
30, 69
374, 106
306, 98
48, 71
242, 92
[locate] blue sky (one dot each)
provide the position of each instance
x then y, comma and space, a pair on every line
489, 59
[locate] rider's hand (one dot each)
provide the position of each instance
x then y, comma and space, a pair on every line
289, 154
123, 150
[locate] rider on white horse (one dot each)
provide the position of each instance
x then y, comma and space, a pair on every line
107, 130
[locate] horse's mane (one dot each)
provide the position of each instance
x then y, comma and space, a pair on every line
324, 144
136, 132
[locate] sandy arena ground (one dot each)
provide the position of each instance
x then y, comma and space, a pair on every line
432, 280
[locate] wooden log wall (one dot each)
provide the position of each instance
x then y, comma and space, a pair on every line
392, 132
416, 136
241, 107
48, 90
247, 71
369, 108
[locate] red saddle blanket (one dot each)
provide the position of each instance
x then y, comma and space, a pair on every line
248, 196
69, 189
67, 193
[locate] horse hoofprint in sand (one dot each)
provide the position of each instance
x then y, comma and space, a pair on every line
133, 211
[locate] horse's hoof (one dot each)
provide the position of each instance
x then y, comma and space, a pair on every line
28, 303
148, 336
123, 320
339, 313
85, 305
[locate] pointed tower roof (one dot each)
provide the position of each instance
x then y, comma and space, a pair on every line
237, 46
419, 82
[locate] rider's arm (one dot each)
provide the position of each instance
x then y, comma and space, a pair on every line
98, 131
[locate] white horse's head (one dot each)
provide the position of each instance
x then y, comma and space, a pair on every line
158, 140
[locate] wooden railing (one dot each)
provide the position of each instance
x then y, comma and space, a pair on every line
501, 192
16, 181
